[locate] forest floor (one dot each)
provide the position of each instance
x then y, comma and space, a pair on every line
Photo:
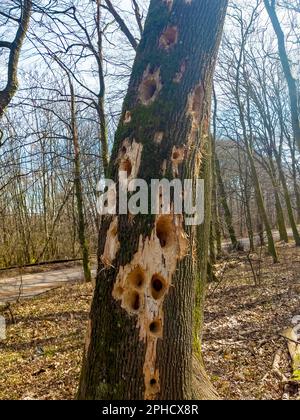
242, 344
41, 357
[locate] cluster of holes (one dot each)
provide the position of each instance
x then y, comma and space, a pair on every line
135, 283
169, 38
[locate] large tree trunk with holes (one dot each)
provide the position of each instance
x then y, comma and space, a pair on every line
146, 315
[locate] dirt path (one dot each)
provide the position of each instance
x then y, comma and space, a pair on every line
29, 285
245, 242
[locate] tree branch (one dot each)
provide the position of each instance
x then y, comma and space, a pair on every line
124, 28
7, 94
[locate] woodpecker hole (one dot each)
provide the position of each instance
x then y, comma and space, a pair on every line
158, 286
155, 327
164, 231
132, 301
150, 86
169, 38
137, 278
148, 90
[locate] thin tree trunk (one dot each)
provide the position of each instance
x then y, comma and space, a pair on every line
14, 47
287, 200
224, 204
101, 95
261, 207
78, 188
279, 212
291, 82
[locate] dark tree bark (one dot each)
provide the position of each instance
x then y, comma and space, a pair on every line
146, 315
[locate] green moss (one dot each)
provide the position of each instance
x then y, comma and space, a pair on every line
296, 375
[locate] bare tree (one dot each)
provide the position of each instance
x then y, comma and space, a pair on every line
22, 21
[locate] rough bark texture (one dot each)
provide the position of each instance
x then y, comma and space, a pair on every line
144, 323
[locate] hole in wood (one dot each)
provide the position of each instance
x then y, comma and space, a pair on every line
176, 155
169, 38
155, 327
126, 166
153, 382
137, 278
158, 286
148, 90
164, 231
132, 301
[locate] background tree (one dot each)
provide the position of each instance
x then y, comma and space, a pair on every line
18, 15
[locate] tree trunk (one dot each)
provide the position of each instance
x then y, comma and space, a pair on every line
215, 207
279, 212
227, 212
14, 48
144, 323
261, 206
78, 189
287, 200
